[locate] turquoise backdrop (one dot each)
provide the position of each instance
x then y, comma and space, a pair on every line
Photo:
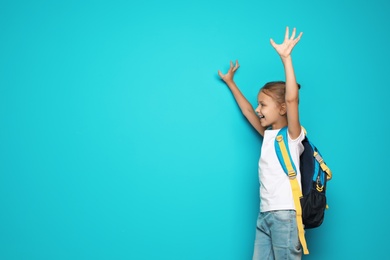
119, 141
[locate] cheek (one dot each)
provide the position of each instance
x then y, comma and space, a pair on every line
276, 107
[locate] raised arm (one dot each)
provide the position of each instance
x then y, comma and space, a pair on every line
292, 96
246, 108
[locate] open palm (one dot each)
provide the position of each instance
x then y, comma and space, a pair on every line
284, 49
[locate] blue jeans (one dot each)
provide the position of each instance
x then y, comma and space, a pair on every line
277, 236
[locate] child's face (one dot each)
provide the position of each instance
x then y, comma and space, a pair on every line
268, 110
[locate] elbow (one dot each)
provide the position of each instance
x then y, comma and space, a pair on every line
292, 100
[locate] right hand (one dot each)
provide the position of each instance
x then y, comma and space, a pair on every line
228, 77
284, 49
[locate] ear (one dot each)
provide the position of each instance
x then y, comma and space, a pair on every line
283, 109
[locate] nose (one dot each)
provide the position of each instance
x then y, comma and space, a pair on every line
257, 110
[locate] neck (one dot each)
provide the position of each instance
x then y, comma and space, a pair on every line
279, 124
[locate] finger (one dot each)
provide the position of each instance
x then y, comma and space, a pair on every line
293, 34
231, 64
272, 43
220, 74
236, 66
286, 34
298, 38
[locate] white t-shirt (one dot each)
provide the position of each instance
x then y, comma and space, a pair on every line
275, 187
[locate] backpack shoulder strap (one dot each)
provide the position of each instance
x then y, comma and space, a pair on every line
284, 156
283, 153
322, 164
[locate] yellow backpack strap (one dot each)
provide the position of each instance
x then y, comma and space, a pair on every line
296, 190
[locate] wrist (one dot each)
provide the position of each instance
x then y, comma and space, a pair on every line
229, 81
286, 58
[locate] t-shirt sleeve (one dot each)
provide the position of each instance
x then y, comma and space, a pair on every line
297, 142
298, 139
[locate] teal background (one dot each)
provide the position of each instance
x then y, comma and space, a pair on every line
118, 140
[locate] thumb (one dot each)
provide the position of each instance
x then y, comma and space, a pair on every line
272, 43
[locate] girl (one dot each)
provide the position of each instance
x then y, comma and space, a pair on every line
276, 232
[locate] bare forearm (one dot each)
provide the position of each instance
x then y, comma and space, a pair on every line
242, 102
291, 82
284, 50
246, 108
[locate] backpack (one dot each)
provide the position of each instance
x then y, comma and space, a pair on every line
310, 201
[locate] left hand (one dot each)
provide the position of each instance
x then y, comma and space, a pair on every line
284, 49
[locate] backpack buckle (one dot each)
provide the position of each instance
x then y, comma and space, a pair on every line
318, 157
319, 188
292, 174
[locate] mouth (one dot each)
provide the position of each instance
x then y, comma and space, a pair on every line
261, 116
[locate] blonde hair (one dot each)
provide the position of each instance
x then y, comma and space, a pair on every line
276, 90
